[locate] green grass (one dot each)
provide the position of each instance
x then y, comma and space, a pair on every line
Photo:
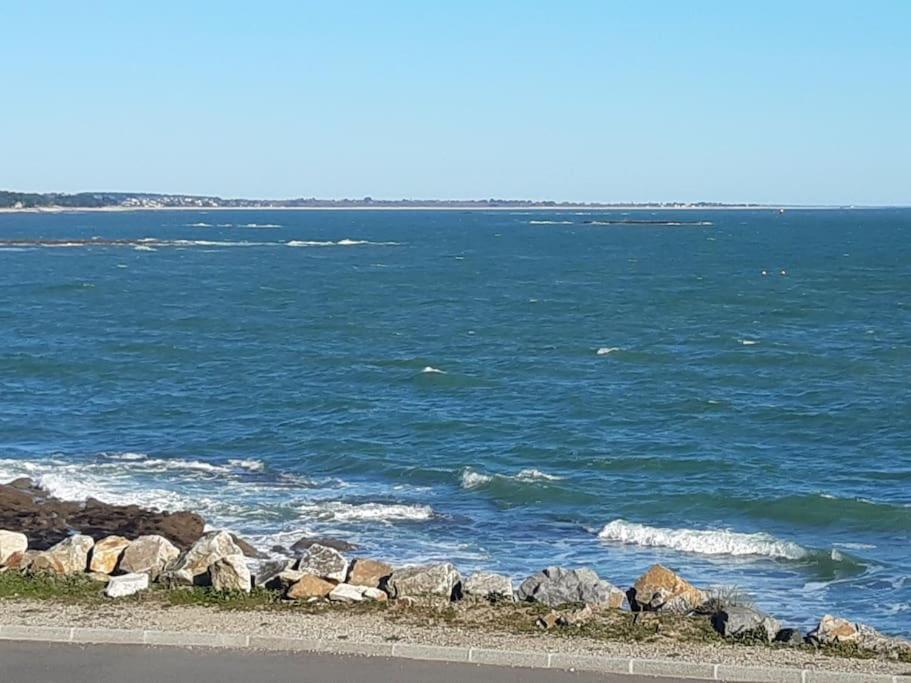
78, 588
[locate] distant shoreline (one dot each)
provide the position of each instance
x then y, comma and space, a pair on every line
543, 209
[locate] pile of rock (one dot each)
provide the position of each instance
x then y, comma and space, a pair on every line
219, 559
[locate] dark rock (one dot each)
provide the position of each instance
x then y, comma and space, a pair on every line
247, 549
47, 520
743, 622
334, 543
789, 636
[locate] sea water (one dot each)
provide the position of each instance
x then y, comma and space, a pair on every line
725, 392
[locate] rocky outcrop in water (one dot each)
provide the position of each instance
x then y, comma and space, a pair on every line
47, 520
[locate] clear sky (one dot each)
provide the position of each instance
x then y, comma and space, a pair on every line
791, 102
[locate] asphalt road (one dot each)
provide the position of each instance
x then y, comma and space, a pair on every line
60, 663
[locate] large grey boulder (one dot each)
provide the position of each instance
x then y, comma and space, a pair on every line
432, 580
126, 584
231, 573
488, 585
11, 542
70, 556
324, 562
150, 555
556, 586
276, 575
741, 621
192, 567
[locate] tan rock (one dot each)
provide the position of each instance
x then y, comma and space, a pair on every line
148, 554
231, 573
11, 542
660, 589
368, 573
310, 586
107, 553
70, 556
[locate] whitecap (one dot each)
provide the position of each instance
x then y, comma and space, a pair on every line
353, 512
249, 464
144, 247
704, 542
536, 475
472, 479
199, 225
605, 350
550, 222
429, 370
748, 342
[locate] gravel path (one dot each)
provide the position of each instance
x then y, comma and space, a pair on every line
349, 626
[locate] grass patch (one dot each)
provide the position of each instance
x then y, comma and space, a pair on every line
78, 588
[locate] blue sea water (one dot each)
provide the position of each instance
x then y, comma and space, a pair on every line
725, 392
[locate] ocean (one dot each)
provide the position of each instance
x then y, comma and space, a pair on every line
725, 392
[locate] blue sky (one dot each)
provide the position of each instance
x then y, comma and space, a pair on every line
791, 102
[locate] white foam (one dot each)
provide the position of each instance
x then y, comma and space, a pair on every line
199, 225
144, 247
248, 464
472, 479
748, 342
605, 350
550, 222
258, 225
536, 475
129, 455
429, 370
704, 542
351, 512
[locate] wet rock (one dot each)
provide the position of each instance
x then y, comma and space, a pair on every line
47, 520
126, 584
11, 542
230, 573
660, 589
324, 562
833, 630
371, 573
432, 580
789, 636
192, 567
310, 586
151, 555
741, 622
345, 592
106, 554
334, 543
247, 549
556, 586
70, 556
488, 585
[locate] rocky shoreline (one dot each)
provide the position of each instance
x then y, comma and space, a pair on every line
130, 551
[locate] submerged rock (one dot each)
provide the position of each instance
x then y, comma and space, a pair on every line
488, 585
247, 549
70, 556
126, 584
556, 586
660, 589
309, 586
432, 580
192, 567
151, 555
732, 622
230, 573
371, 573
324, 562
106, 553
11, 542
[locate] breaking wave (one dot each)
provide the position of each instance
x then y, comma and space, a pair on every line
471, 479
351, 512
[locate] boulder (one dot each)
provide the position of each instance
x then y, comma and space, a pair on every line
371, 573
268, 572
148, 554
309, 586
192, 567
324, 562
660, 589
70, 556
789, 636
557, 586
11, 542
374, 594
231, 573
345, 592
431, 580
106, 553
126, 584
488, 585
21, 561
834, 631
336, 544
247, 549
737, 621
